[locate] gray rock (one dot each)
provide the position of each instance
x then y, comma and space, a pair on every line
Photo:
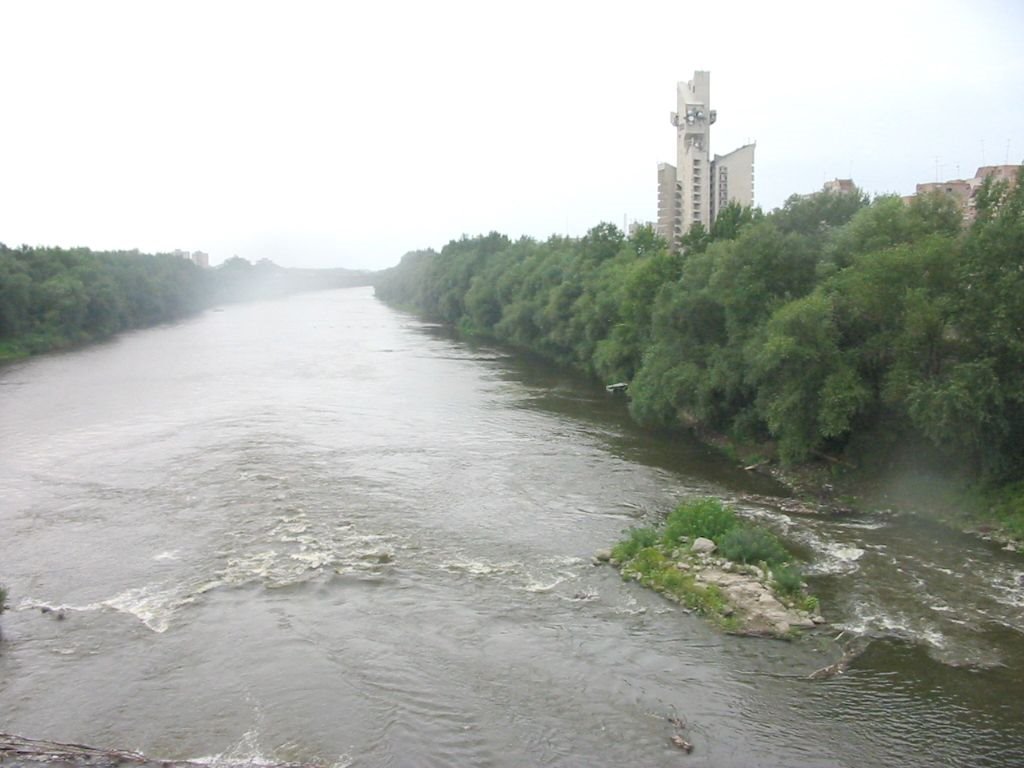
762, 613
702, 546
603, 555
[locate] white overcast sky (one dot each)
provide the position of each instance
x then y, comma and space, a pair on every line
345, 134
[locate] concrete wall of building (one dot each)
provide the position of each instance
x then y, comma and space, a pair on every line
732, 178
668, 204
999, 172
959, 189
839, 186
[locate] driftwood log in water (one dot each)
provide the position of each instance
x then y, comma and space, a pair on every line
17, 751
853, 649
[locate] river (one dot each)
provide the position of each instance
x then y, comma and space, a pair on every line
317, 529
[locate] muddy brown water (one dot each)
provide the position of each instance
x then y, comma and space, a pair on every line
317, 529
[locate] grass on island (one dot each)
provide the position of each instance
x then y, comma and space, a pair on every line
651, 556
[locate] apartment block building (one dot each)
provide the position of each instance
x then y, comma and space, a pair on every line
963, 191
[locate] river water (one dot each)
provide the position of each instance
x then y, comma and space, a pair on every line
318, 529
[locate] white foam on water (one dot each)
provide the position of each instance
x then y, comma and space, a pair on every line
1009, 588
898, 626
860, 525
152, 605
779, 519
28, 604
313, 560
632, 607
248, 567
835, 557
584, 595
538, 587
294, 556
934, 638
569, 561
246, 752
480, 567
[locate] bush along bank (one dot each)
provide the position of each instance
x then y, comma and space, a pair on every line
737, 574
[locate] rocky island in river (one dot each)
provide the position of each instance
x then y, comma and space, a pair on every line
737, 574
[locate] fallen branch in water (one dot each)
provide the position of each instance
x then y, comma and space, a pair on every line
677, 738
682, 743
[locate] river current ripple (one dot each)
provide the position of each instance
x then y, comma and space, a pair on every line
318, 529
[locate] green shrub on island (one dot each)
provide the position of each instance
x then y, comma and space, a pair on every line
639, 539
788, 580
655, 568
737, 541
750, 545
3, 598
704, 517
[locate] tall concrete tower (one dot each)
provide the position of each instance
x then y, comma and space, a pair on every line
693, 118
698, 187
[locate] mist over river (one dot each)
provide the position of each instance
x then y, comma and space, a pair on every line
319, 529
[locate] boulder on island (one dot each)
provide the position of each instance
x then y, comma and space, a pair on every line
702, 546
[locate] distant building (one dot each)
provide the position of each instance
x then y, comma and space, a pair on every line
998, 173
196, 257
697, 187
963, 191
840, 187
637, 226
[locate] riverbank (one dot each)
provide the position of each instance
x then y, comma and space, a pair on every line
994, 513
914, 480
58, 299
